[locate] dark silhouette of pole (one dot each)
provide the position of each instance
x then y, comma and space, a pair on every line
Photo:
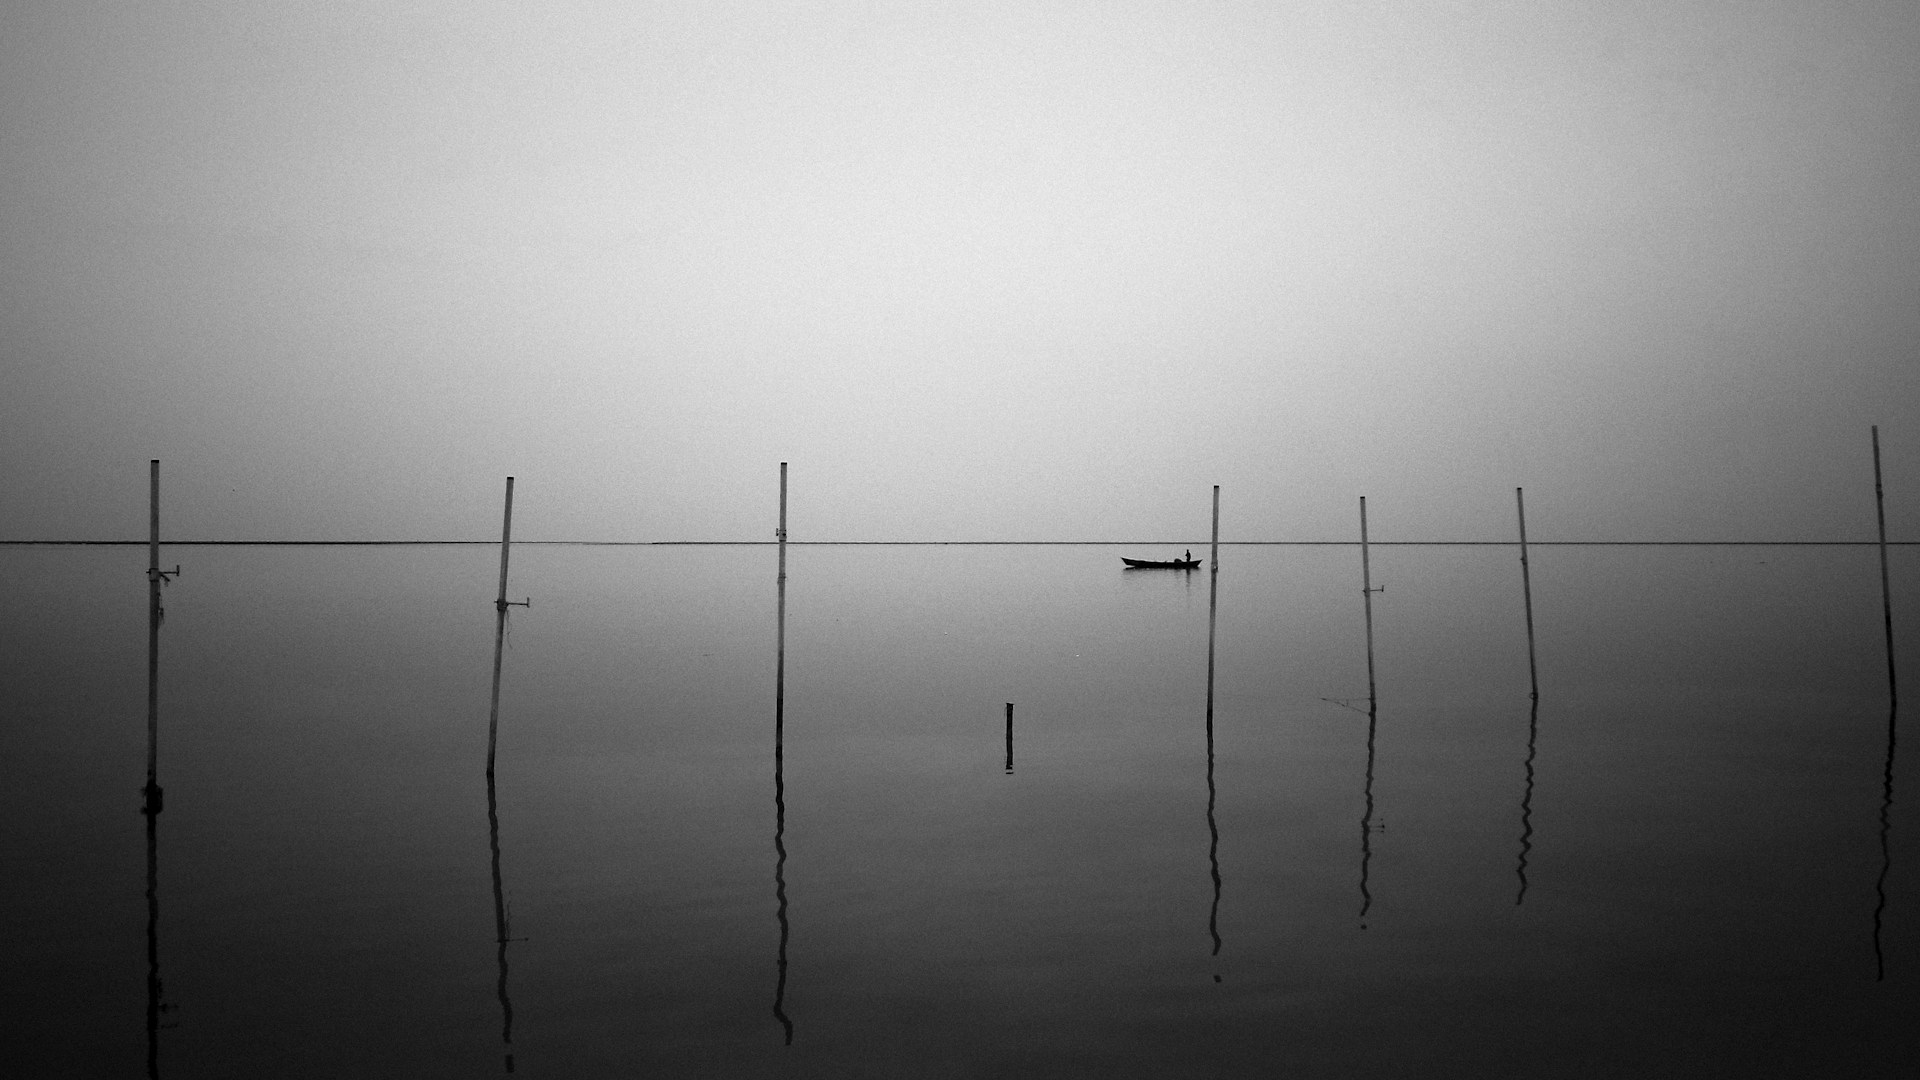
1214, 551
1009, 738
779, 765
151, 792
1893, 713
502, 934
1213, 827
500, 628
1886, 590
152, 798
1366, 591
1526, 592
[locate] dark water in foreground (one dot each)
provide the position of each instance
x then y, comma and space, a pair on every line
1683, 864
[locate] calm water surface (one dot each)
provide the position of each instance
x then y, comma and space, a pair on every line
1682, 864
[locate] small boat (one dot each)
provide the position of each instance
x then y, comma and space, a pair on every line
1170, 564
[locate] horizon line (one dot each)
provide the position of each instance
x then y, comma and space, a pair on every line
960, 543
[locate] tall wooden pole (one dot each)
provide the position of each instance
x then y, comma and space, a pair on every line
151, 798
500, 627
1886, 590
1213, 828
154, 578
1214, 552
1526, 592
779, 766
1366, 591
1893, 714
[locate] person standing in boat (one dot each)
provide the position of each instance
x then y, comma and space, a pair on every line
1188, 557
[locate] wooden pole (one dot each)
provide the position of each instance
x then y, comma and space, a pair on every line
151, 792
780, 766
506, 544
1213, 612
1213, 827
1214, 552
1526, 592
1886, 590
1893, 714
500, 627
781, 532
1366, 591
1009, 738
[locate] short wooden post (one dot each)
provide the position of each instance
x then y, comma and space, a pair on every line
1526, 592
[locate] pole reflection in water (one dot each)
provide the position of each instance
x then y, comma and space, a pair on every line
1526, 801
1366, 819
1213, 827
156, 991
1373, 714
1886, 853
779, 764
500, 926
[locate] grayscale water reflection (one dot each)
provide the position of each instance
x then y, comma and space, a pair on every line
1688, 861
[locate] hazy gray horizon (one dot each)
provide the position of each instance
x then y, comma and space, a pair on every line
978, 271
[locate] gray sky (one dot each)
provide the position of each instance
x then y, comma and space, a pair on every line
978, 270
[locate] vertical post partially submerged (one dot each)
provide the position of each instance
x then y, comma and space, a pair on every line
1526, 593
152, 799
1893, 714
1886, 590
500, 628
1213, 827
779, 765
1213, 554
152, 789
1366, 592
